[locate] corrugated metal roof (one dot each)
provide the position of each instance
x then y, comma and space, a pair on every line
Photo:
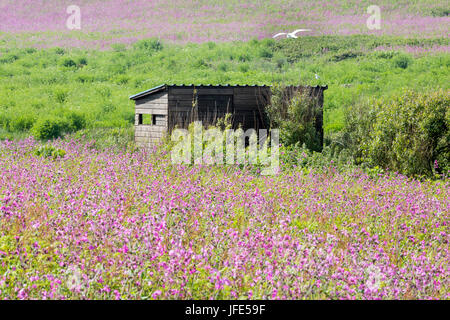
165, 86
147, 92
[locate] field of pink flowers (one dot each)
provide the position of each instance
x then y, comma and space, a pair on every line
102, 225
43, 22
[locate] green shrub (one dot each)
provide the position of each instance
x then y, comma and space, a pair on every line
244, 57
48, 151
122, 79
265, 53
59, 51
23, 122
85, 78
295, 117
82, 61
60, 94
402, 61
68, 63
49, 128
4, 120
30, 50
281, 62
223, 66
440, 12
409, 133
200, 63
345, 55
76, 121
244, 68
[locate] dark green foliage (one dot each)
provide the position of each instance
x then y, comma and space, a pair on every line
49, 127
440, 12
82, 61
295, 117
85, 78
281, 62
68, 63
8, 58
409, 133
23, 122
59, 51
243, 57
75, 121
244, 68
223, 66
402, 61
200, 63
265, 53
345, 55
60, 94
30, 50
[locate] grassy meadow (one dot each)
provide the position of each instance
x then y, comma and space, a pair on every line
55, 82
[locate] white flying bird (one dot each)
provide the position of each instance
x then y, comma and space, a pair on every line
292, 34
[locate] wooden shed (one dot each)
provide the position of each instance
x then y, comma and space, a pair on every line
159, 109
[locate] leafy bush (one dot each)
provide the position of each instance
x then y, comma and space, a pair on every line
281, 62
23, 122
409, 134
59, 51
8, 58
244, 57
223, 66
48, 151
345, 55
60, 94
244, 68
68, 63
440, 12
295, 116
49, 127
265, 53
82, 61
402, 61
76, 121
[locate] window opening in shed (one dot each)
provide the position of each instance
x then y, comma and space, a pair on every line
145, 119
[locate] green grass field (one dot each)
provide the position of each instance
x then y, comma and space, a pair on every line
38, 83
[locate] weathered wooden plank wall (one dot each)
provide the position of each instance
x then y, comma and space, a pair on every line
147, 135
247, 107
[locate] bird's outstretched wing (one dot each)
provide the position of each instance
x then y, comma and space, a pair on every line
279, 34
299, 30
